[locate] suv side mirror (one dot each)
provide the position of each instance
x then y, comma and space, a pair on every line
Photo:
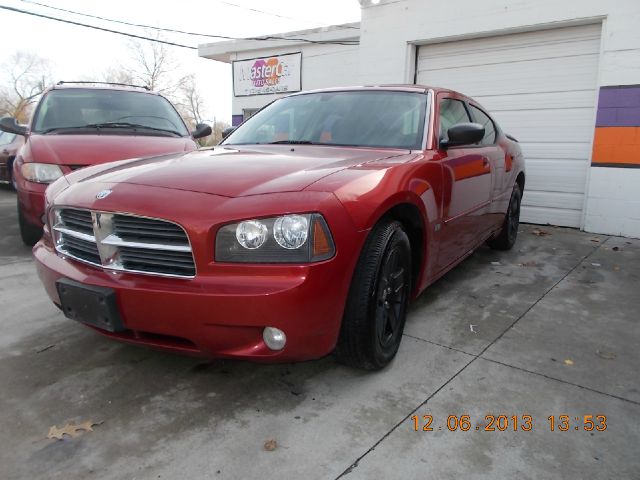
463, 134
202, 130
227, 131
9, 124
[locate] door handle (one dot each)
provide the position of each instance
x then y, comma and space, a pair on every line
485, 162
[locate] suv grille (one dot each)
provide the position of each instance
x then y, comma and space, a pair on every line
124, 242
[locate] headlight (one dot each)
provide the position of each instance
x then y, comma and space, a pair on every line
286, 239
41, 172
251, 234
291, 231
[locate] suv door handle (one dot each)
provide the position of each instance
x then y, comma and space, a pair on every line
485, 162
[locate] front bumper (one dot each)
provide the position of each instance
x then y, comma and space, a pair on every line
223, 310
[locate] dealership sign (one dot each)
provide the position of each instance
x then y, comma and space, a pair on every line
260, 76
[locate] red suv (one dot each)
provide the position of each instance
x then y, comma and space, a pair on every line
80, 124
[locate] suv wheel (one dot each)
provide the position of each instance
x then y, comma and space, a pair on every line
30, 233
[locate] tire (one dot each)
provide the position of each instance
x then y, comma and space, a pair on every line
376, 307
506, 239
29, 233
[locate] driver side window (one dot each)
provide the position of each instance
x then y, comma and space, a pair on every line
451, 112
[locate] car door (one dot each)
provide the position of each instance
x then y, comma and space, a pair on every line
466, 185
490, 148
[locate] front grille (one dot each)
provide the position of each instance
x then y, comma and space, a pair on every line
171, 263
79, 248
79, 220
124, 242
149, 230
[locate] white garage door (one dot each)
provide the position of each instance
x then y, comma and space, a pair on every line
541, 88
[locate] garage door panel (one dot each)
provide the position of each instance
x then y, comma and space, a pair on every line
554, 200
541, 88
554, 39
554, 216
555, 151
557, 74
562, 125
538, 100
510, 53
568, 176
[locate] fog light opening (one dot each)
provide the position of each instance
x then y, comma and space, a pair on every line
274, 338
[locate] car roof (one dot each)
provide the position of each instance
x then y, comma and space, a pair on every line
100, 86
400, 87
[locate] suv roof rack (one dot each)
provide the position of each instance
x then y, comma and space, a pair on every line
106, 83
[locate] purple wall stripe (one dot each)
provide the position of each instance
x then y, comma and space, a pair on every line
618, 117
619, 97
236, 120
619, 106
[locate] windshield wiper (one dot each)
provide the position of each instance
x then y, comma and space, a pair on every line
130, 125
292, 142
55, 129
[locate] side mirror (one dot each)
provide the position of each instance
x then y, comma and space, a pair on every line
9, 124
227, 131
202, 130
463, 134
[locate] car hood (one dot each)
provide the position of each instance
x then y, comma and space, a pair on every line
95, 149
239, 171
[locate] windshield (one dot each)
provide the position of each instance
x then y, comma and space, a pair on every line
6, 138
355, 118
77, 108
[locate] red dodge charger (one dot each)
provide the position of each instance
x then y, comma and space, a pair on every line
307, 231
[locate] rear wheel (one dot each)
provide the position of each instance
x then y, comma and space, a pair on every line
509, 233
377, 304
29, 233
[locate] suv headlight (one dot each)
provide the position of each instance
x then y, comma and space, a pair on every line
298, 238
41, 172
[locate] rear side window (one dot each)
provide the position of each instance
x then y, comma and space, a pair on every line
489, 127
451, 112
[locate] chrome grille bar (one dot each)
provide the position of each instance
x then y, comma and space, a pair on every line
123, 242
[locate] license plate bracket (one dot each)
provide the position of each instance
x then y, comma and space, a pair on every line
89, 304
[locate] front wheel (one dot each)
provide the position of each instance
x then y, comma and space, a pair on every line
377, 303
29, 233
506, 239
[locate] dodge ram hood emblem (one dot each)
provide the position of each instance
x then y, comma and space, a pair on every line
103, 194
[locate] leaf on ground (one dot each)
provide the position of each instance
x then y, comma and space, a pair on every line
530, 263
270, 445
568, 362
71, 429
595, 240
539, 233
606, 355
616, 268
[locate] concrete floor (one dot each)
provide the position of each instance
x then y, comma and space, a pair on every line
555, 331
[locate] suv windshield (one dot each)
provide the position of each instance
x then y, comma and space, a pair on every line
6, 138
79, 108
352, 118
